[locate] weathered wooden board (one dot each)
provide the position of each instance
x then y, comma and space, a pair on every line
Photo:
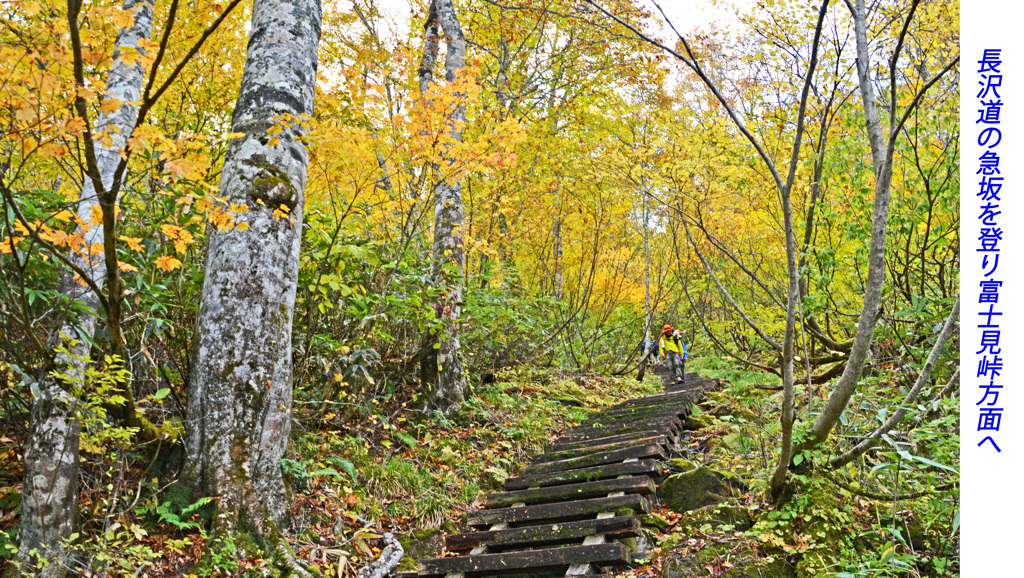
642, 450
599, 422
545, 535
666, 426
678, 408
638, 468
633, 485
580, 451
562, 445
667, 398
536, 560
617, 421
558, 511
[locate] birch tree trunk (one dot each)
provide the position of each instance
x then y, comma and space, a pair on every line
447, 387
240, 388
50, 487
647, 272
882, 157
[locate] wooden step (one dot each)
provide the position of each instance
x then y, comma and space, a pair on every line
613, 422
613, 554
664, 397
639, 468
633, 485
545, 535
640, 451
583, 450
558, 511
681, 409
562, 445
672, 426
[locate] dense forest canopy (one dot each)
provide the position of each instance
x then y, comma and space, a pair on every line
230, 229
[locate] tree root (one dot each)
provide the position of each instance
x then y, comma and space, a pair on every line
389, 558
886, 497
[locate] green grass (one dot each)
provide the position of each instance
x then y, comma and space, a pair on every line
415, 471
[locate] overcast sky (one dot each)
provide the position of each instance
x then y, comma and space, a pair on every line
685, 14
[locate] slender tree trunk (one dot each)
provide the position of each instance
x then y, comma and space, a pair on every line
881, 155
50, 487
922, 378
240, 388
788, 416
647, 271
447, 385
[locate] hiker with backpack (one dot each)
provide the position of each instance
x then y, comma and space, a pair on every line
673, 350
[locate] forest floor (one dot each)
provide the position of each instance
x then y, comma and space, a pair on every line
369, 457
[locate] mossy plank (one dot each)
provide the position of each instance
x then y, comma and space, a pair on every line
546, 535
635, 485
640, 451
658, 398
619, 421
666, 426
536, 560
558, 511
562, 445
600, 422
638, 468
586, 449
672, 408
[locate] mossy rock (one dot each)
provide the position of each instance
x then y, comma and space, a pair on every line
682, 464
744, 563
736, 414
654, 522
700, 421
910, 528
819, 524
422, 544
733, 440
696, 489
723, 517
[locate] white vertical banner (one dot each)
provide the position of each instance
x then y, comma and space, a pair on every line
991, 281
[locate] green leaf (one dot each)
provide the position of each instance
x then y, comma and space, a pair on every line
345, 465
329, 472
162, 393
933, 463
406, 439
797, 459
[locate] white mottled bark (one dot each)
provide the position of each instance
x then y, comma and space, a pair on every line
50, 490
240, 389
450, 386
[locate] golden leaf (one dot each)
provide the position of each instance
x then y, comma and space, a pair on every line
134, 243
167, 263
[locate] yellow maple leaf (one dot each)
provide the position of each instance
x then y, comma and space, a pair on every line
134, 243
171, 231
167, 263
127, 267
110, 105
96, 215
64, 216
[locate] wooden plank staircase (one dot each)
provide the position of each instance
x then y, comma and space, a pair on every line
573, 510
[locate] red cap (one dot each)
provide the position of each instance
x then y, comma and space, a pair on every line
666, 329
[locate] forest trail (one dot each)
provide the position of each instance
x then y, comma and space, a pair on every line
574, 509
